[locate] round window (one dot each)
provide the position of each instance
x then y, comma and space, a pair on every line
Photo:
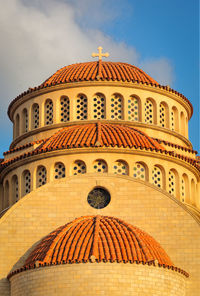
98, 198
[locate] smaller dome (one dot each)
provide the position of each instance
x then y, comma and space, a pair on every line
96, 239
99, 135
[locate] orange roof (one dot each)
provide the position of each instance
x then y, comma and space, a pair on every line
97, 239
99, 134
99, 70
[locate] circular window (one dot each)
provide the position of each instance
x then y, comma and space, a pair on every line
98, 198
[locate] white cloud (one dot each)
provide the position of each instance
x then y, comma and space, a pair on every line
40, 36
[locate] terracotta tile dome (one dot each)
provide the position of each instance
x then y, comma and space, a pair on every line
99, 70
96, 239
99, 135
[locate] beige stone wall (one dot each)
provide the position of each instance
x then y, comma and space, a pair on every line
140, 204
110, 279
126, 91
110, 156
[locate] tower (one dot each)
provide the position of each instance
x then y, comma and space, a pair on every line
100, 187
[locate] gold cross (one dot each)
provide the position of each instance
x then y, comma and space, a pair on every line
100, 54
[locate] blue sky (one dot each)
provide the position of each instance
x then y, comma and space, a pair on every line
38, 37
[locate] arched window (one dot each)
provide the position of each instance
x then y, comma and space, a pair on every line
164, 115
6, 195
25, 121
64, 109
182, 124
173, 183
133, 109
157, 177
15, 189
117, 107
184, 188
81, 107
35, 116
17, 126
140, 171
78, 167
99, 106
48, 112
174, 122
100, 166
59, 170
41, 178
26, 182
150, 112
120, 167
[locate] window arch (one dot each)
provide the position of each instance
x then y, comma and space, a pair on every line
26, 182
25, 121
35, 116
41, 177
117, 107
140, 171
17, 128
174, 122
64, 109
59, 170
15, 189
120, 167
100, 166
182, 123
99, 106
184, 188
81, 107
48, 112
134, 108
164, 114
158, 176
6, 195
78, 167
150, 111
173, 183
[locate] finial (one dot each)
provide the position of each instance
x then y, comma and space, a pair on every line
100, 54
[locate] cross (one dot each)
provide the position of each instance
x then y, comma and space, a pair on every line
100, 54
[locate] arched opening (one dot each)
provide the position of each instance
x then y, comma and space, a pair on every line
174, 120
117, 107
26, 182
81, 107
150, 111
78, 167
25, 121
48, 107
193, 192
120, 167
59, 170
182, 124
164, 115
99, 106
15, 189
184, 188
100, 166
134, 108
41, 176
158, 176
173, 183
35, 116
17, 128
64, 109
140, 171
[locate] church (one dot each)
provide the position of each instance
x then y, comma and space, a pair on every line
100, 187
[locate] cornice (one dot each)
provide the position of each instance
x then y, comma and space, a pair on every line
166, 92
95, 150
123, 122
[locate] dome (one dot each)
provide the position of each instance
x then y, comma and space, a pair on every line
91, 71
99, 134
97, 239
